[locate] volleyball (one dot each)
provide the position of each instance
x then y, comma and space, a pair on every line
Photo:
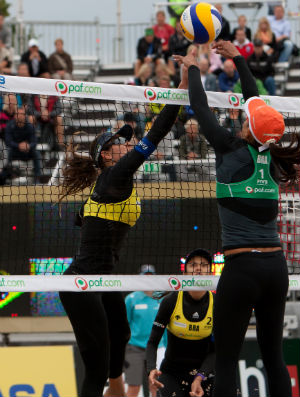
201, 23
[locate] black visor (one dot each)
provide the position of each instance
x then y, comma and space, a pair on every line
118, 138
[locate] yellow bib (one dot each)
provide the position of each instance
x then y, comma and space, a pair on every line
182, 328
127, 211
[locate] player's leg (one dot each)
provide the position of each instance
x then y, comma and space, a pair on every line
236, 294
89, 322
270, 316
119, 335
134, 369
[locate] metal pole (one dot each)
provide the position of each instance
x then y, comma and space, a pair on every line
98, 43
20, 22
119, 31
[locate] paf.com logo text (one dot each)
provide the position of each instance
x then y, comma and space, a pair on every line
84, 284
171, 95
185, 283
64, 88
235, 101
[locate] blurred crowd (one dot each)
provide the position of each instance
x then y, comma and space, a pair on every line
269, 44
27, 119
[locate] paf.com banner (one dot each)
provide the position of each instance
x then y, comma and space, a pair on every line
41, 371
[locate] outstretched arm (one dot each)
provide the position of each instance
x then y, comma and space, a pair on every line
130, 163
228, 50
220, 138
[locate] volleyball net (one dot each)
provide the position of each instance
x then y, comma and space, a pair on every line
176, 185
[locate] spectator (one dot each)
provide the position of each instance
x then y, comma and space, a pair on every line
233, 121
192, 145
23, 99
163, 31
143, 75
265, 34
8, 106
10, 102
241, 42
282, 29
47, 110
242, 24
148, 50
209, 80
5, 32
272, 5
36, 60
261, 67
175, 11
21, 141
60, 62
141, 312
23, 70
162, 70
214, 59
131, 119
5, 59
260, 87
165, 149
178, 44
162, 81
225, 31
229, 77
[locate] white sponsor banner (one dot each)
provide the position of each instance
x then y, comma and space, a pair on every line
122, 92
90, 283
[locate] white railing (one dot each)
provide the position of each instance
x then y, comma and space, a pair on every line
108, 42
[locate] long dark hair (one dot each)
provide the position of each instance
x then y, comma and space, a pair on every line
285, 156
79, 171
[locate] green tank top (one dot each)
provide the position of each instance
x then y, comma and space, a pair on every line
260, 185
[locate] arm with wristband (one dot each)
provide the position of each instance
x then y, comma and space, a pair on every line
131, 162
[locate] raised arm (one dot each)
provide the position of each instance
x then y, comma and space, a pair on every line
130, 163
228, 50
220, 138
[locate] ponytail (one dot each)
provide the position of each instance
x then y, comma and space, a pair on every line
79, 171
285, 158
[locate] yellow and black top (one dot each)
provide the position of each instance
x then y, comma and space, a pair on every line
189, 323
127, 211
181, 327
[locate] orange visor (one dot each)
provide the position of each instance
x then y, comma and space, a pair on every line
265, 123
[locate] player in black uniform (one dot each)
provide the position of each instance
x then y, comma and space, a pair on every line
255, 273
188, 316
99, 319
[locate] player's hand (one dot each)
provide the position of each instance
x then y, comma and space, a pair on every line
154, 374
226, 48
196, 388
184, 84
188, 60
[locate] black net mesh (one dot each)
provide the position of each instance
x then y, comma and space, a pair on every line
176, 184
